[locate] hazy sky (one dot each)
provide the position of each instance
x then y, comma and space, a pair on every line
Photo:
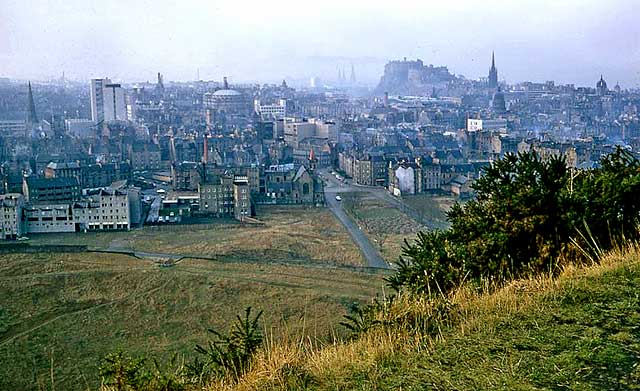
571, 41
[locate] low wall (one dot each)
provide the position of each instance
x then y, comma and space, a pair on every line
25, 248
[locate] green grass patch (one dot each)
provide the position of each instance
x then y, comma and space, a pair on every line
69, 310
582, 335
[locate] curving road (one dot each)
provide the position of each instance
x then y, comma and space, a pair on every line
371, 254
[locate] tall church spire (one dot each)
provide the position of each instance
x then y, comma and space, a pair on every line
160, 85
493, 72
32, 118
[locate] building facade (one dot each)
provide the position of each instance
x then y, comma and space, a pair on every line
225, 196
108, 102
49, 218
145, 156
11, 215
51, 190
103, 210
92, 175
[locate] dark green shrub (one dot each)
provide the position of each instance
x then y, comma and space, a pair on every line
520, 221
361, 318
124, 372
610, 199
230, 354
432, 264
526, 214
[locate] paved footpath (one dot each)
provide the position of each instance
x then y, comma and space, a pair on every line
371, 254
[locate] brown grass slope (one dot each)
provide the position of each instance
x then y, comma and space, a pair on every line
577, 331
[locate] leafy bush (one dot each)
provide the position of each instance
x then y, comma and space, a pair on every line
123, 372
609, 198
231, 353
526, 213
432, 264
519, 222
361, 318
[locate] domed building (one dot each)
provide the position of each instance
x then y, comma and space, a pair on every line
601, 87
498, 104
227, 100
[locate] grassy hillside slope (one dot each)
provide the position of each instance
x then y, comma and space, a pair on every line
66, 311
578, 331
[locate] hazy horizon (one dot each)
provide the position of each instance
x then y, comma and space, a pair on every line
569, 41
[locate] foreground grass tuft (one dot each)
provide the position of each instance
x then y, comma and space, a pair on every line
575, 331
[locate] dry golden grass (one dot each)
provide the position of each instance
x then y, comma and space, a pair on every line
385, 226
292, 233
431, 207
286, 365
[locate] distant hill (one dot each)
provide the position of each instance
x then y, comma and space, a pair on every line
408, 77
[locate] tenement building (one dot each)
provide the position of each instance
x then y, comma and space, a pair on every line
101, 210
51, 190
105, 210
11, 215
226, 196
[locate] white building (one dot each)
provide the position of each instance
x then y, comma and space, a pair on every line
326, 129
106, 209
108, 101
97, 99
405, 181
296, 131
273, 111
115, 108
498, 124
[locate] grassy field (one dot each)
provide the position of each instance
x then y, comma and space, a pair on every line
66, 311
577, 331
384, 225
289, 233
432, 208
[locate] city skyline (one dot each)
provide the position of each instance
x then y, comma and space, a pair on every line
131, 42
